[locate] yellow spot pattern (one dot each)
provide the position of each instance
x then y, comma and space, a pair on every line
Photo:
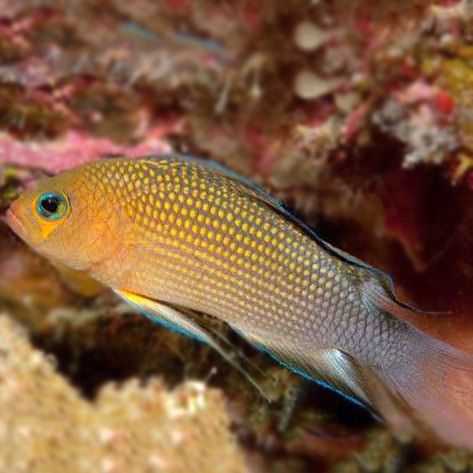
204, 240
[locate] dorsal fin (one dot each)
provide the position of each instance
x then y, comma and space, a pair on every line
385, 299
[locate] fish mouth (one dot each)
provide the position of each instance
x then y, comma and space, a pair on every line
15, 223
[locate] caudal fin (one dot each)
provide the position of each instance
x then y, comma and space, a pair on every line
436, 381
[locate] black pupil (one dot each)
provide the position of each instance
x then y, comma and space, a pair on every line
50, 204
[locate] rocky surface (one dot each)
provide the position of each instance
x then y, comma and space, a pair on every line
46, 426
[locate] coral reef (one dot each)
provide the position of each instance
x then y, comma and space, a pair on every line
356, 113
47, 427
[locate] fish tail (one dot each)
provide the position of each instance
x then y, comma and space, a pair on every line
429, 377
435, 380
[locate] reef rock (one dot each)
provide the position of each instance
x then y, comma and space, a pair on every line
47, 427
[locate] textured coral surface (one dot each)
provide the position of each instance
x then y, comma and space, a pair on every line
356, 113
46, 427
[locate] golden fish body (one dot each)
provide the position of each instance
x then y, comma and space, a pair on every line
198, 239
170, 232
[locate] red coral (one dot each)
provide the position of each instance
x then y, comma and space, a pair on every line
444, 102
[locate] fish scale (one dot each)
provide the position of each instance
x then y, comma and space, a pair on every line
176, 237
257, 277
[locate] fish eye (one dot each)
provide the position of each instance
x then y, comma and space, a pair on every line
52, 205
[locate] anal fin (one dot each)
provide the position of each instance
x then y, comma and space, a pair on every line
337, 370
329, 367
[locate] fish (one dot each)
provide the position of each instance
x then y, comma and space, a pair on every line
177, 237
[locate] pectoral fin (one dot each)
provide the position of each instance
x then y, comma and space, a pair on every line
78, 281
180, 320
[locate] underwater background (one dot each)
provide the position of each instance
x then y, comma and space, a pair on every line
358, 114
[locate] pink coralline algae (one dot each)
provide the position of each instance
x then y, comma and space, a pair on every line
70, 150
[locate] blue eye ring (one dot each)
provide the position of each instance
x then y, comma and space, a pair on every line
52, 206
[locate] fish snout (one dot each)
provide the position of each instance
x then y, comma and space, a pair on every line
14, 220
